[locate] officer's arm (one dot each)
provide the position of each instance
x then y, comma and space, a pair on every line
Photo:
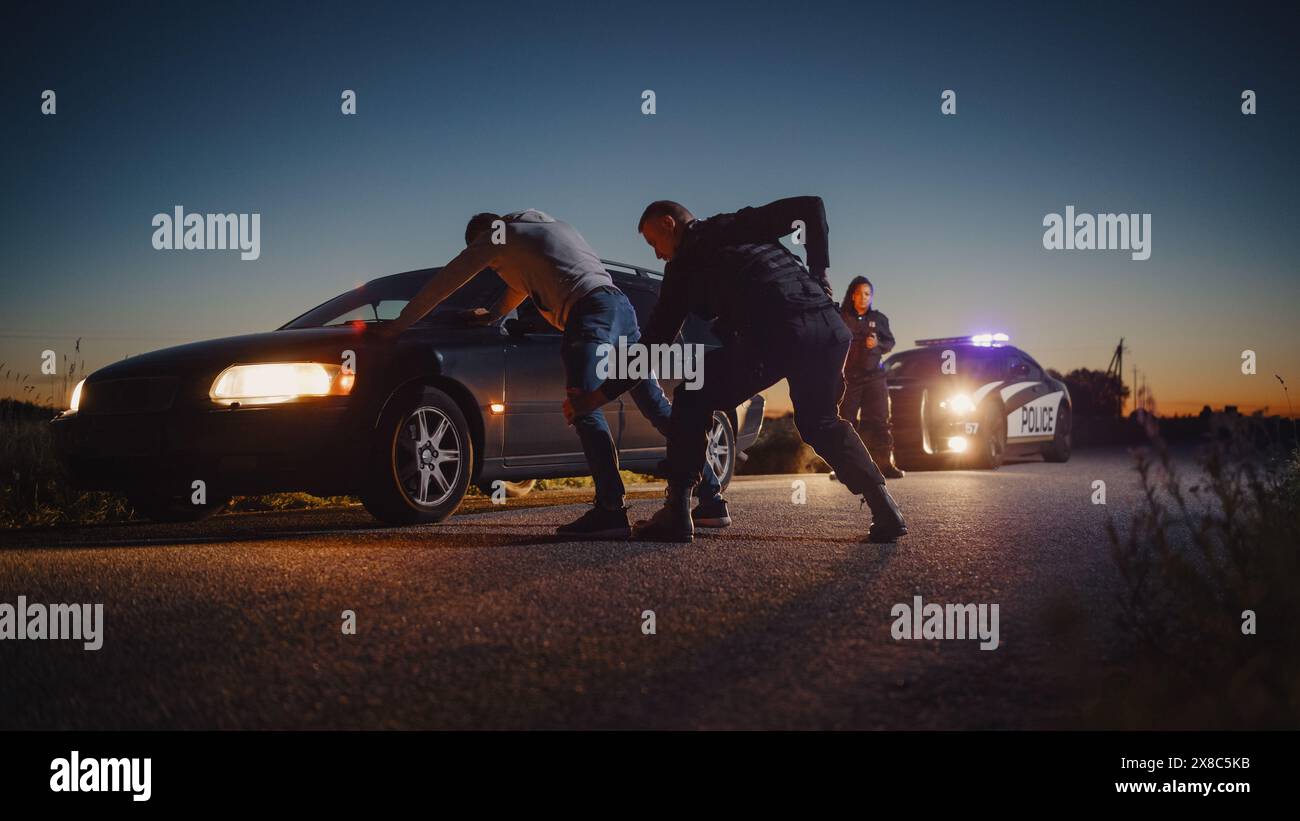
771, 222
884, 337
479, 255
666, 320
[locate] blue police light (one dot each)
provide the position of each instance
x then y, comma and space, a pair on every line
983, 340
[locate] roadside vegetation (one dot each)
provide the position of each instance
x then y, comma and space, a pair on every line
1210, 603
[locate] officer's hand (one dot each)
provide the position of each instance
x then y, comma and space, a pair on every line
475, 315
871, 341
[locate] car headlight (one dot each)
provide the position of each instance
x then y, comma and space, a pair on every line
960, 403
275, 382
76, 397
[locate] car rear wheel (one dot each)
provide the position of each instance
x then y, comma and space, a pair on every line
162, 507
991, 443
720, 449
423, 457
1059, 448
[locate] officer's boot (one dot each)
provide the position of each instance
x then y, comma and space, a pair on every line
887, 523
889, 468
670, 523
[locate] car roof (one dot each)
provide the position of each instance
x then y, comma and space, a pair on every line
619, 270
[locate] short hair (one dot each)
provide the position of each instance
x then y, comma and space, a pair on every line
660, 208
478, 224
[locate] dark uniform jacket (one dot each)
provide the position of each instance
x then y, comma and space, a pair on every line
863, 362
732, 268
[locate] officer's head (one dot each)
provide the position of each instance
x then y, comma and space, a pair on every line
662, 224
478, 224
858, 296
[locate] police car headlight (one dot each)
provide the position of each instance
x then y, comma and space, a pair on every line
76, 397
961, 403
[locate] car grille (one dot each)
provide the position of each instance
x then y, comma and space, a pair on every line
143, 395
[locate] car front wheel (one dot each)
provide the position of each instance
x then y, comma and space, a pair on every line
991, 443
1058, 450
423, 456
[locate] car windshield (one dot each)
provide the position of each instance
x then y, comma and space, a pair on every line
383, 300
924, 363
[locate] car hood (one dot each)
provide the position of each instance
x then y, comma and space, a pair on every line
286, 345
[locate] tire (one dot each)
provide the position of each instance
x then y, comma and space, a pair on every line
161, 507
514, 490
991, 444
421, 427
1063, 440
720, 450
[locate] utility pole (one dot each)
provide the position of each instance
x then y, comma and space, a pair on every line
1115, 371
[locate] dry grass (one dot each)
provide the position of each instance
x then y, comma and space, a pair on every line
1201, 550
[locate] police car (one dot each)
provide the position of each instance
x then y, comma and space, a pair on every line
971, 401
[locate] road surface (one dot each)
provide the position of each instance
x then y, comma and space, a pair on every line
490, 621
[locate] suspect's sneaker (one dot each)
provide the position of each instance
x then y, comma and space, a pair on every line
598, 523
711, 513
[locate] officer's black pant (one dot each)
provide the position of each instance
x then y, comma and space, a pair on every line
807, 350
866, 406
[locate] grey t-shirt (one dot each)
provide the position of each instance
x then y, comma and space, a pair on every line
542, 257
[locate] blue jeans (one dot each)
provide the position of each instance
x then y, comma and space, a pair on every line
600, 318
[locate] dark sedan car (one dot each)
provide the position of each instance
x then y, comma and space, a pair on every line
972, 401
320, 406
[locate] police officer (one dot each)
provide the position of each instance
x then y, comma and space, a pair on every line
776, 319
866, 396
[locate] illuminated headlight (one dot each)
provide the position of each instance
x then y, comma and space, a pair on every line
957, 444
76, 397
961, 403
276, 382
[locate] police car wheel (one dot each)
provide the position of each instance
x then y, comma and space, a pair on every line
1059, 448
991, 444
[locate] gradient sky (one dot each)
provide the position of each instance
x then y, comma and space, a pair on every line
497, 106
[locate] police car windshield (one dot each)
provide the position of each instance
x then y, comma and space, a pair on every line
970, 360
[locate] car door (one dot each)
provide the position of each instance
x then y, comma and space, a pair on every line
1031, 407
535, 430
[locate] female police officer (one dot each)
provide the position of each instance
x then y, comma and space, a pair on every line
866, 396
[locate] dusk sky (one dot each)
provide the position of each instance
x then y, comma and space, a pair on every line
497, 106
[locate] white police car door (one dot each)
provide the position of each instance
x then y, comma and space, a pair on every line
1030, 402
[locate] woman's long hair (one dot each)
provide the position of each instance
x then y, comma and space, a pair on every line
847, 304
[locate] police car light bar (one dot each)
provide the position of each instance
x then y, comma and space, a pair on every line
984, 340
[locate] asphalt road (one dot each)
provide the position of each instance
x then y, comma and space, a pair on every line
489, 621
